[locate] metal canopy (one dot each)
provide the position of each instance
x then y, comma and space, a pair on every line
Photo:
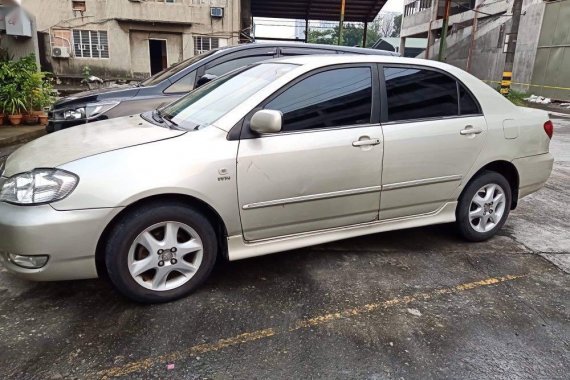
326, 10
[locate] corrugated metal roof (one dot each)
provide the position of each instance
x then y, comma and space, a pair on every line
326, 10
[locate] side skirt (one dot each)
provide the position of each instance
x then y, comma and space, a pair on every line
240, 249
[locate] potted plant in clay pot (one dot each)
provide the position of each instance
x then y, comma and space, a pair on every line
32, 83
1, 114
44, 98
14, 103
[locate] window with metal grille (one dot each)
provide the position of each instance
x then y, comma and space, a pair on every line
203, 44
90, 44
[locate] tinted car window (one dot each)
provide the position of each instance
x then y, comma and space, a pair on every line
184, 84
166, 73
467, 105
419, 94
328, 99
226, 67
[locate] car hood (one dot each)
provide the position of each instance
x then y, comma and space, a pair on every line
97, 95
85, 140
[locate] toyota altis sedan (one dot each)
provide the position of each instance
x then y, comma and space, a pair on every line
272, 157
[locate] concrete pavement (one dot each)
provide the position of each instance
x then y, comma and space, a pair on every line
20, 134
413, 304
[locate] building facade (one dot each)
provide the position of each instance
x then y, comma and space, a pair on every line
478, 34
17, 31
131, 39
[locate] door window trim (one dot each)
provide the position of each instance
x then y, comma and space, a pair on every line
384, 94
241, 130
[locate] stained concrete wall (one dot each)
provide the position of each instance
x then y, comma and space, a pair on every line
126, 22
487, 57
18, 46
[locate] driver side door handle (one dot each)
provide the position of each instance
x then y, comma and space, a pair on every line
366, 142
470, 130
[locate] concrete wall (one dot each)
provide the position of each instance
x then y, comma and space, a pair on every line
21, 46
129, 25
487, 57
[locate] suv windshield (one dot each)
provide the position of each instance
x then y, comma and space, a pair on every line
208, 103
168, 72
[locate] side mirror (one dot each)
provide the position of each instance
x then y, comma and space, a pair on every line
266, 121
205, 79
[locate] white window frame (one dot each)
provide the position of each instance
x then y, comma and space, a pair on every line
202, 45
91, 33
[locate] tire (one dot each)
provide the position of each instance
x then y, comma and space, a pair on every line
175, 267
477, 218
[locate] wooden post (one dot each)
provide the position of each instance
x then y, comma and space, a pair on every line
443, 36
340, 25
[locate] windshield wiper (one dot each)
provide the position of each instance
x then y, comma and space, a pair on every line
169, 119
161, 118
157, 116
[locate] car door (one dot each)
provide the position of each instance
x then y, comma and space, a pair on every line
433, 132
323, 170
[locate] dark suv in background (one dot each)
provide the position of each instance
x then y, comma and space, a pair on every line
176, 81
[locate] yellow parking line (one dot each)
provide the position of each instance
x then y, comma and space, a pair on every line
147, 363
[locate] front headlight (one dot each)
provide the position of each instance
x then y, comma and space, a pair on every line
38, 187
87, 111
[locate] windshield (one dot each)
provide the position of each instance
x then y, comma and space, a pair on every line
208, 103
170, 71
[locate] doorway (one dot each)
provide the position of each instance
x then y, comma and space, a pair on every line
158, 55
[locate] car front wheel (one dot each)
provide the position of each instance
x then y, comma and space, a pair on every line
160, 253
483, 207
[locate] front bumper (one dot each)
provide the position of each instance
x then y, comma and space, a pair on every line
69, 238
533, 171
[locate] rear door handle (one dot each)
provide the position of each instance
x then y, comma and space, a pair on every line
470, 130
366, 142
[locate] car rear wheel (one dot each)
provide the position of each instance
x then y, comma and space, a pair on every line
160, 253
483, 207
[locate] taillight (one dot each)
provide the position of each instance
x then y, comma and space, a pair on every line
549, 128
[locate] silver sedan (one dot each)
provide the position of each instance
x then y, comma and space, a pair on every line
271, 157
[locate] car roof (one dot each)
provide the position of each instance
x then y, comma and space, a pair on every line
332, 59
346, 49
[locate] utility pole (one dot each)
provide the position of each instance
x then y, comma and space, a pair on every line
443, 36
340, 25
511, 47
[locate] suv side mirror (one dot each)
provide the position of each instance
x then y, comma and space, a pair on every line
205, 79
266, 121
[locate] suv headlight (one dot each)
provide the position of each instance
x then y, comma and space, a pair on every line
38, 187
87, 111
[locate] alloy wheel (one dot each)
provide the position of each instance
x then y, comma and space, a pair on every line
165, 256
487, 208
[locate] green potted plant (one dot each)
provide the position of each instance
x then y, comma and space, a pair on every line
44, 98
14, 103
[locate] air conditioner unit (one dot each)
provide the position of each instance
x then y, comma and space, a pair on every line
60, 52
216, 12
